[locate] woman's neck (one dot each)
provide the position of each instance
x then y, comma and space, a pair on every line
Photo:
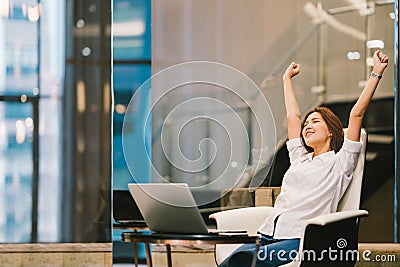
318, 150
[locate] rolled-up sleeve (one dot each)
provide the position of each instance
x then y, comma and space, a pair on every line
295, 149
348, 156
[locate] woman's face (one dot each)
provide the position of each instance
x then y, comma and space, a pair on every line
315, 131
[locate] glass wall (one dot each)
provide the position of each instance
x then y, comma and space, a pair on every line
17, 178
87, 120
131, 68
55, 101
30, 94
332, 40
346, 66
259, 44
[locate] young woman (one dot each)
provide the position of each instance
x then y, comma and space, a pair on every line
321, 164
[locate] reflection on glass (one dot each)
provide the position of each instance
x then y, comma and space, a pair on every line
127, 79
131, 30
16, 172
328, 38
32, 63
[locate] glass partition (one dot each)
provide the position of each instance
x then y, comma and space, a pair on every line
246, 37
349, 38
332, 40
192, 142
131, 65
17, 157
56, 142
30, 93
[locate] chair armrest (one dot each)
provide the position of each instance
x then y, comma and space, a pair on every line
322, 232
327, 230
337, 216
249, 219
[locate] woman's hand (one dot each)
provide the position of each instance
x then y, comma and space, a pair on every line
292, 70
380, 62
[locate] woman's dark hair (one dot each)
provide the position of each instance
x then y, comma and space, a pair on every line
334, 126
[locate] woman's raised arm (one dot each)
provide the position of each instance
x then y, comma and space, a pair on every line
357, 112
292, 108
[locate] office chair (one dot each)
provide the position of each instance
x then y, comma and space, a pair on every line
336, 231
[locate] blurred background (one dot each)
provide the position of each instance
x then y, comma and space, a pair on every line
332, 40
55, 106
69, 69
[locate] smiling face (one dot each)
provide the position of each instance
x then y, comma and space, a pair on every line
315, 132
319, 124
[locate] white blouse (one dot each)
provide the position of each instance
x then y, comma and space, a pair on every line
310, 187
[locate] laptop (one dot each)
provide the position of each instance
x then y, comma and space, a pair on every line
125, 210
171, 208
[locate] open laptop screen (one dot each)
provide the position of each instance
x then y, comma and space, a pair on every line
125, 208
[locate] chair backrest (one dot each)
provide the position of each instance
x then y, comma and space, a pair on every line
352, 196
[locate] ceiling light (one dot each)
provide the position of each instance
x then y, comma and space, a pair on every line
80, 23
5, 9
130, 28
353, 55
318, 89
375, 44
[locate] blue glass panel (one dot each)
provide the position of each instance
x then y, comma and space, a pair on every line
127, 79
16, 159
131, 41
132, 30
